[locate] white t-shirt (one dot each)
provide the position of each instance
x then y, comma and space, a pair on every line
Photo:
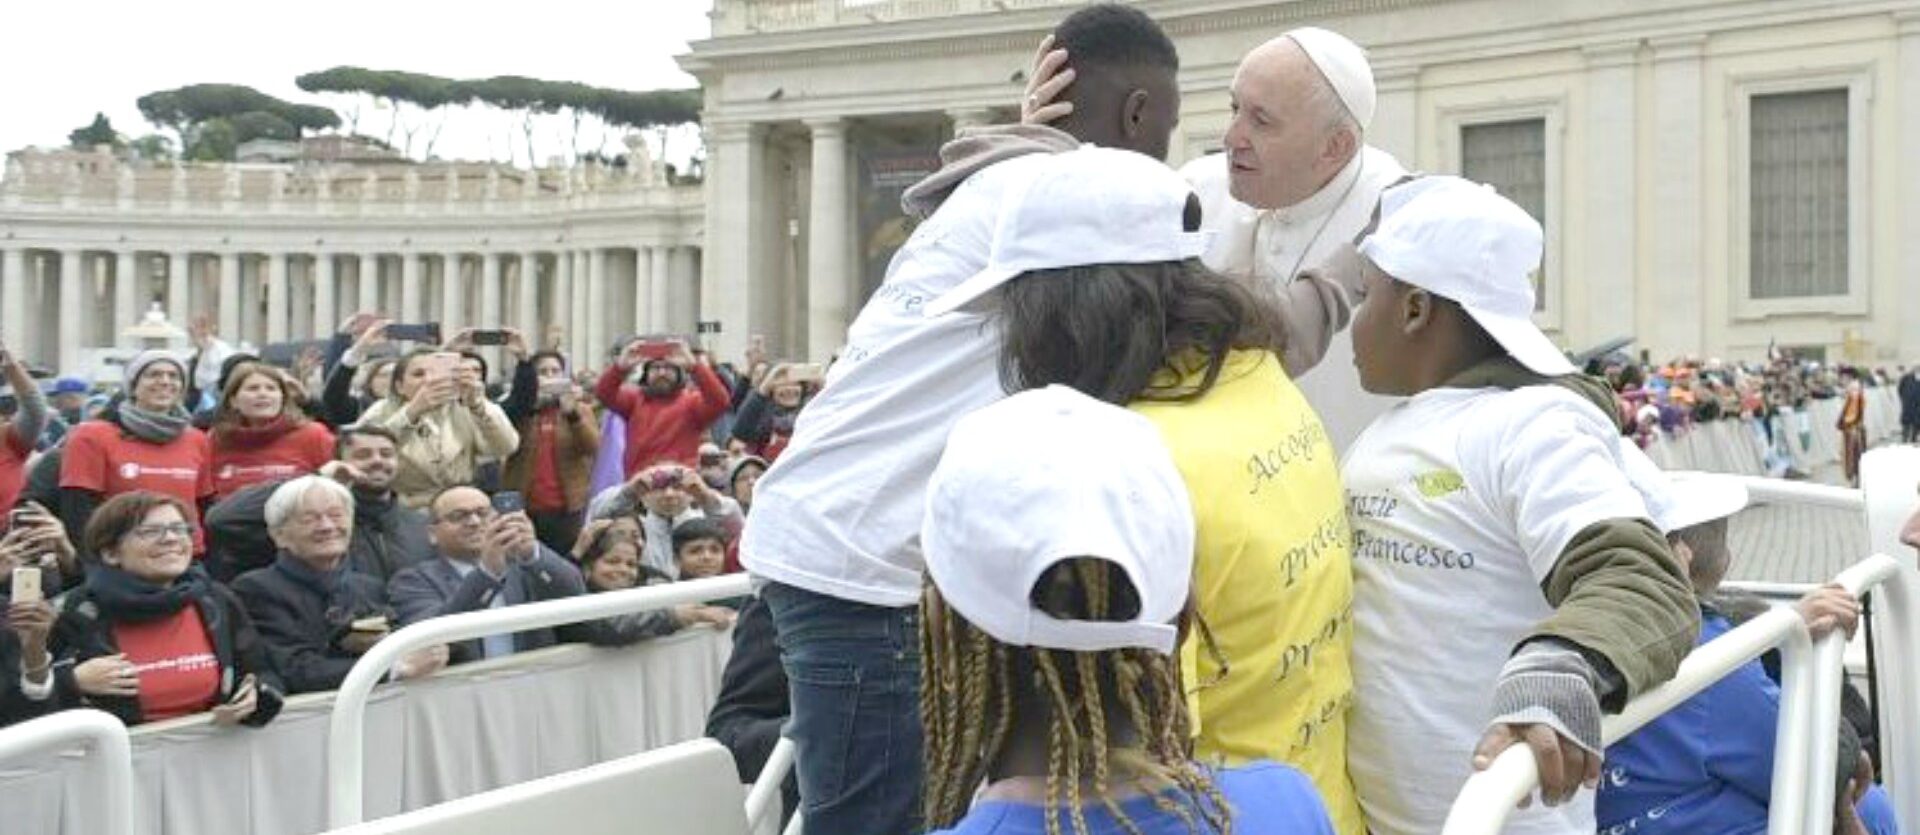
1462, 501
839, 513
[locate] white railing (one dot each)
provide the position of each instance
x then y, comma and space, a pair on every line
111, 763
346, 733
1803, 786
764, 797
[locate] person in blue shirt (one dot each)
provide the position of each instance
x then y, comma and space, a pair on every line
1706, 767
1059, 543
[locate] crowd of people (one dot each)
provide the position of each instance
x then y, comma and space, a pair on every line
217, 533
1057, 543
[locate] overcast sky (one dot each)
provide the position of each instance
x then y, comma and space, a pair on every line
62, 61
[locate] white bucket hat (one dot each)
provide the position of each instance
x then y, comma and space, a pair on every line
1049, 475
1463, 241
1090, 205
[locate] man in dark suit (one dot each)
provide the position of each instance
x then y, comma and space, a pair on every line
482, 560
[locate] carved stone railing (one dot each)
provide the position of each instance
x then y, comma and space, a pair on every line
748, 17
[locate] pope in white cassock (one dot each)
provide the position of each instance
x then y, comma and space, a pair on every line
1294, 185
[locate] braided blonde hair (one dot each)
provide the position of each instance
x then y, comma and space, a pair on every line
967, 706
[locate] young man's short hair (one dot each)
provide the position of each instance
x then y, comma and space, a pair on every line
696, 530
348, 433
1115, 36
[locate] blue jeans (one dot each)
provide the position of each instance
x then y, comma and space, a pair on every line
853, 674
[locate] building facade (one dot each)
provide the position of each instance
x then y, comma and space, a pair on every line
274, 253
1714, 176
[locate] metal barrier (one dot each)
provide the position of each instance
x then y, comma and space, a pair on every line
112, 761
346, 733
1803, 787
764, 797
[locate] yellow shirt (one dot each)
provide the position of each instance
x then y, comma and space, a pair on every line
1272, 577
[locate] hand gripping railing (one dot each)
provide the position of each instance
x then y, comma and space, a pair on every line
1808, 727
1489, 796
346, 756
111, 763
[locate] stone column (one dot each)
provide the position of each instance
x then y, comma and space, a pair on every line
1612, 251
229, 301
369, 280
566, 310
1908, 196
529, 302
325, 291
597, 340
13, 301
1396, 118
684, 297
410, 280
643, 288
453, 292
1671, 318
71, 311
828, 240
490, 313
278, 288
734, 211
179, 292
126, 297
661, 287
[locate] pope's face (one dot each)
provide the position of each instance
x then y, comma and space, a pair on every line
1277, 142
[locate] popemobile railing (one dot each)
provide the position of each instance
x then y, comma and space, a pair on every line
1803, 787
110, 762
346, 758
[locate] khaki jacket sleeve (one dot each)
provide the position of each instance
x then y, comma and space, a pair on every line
1619, 593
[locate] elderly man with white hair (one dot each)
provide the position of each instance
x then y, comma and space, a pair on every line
1295, 185
316, 615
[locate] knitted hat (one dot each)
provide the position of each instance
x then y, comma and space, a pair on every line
138, 365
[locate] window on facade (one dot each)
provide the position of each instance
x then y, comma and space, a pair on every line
1512, 157
1798, 186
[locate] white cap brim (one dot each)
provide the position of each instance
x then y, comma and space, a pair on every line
1524, 342
966, 292
1699, 498
1189, 245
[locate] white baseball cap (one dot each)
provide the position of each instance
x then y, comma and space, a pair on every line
1049, 475
1090, 205
1463, 241
1699, 498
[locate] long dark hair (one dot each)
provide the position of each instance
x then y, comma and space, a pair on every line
1116, 331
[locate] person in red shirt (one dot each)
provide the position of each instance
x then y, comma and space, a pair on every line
21, 430
260, 434
146, 441
149, 636
666, 418
553, 467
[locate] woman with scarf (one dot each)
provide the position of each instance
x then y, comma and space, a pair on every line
260, 434
445, 424
144, 441
559, 437
149, 636
766, 420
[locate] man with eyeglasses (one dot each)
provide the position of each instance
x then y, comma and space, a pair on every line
482, 560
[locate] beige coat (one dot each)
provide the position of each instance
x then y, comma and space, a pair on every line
444, 447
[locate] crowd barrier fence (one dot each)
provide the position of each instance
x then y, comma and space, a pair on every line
1804, 768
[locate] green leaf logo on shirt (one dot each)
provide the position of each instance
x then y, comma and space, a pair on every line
1439, 484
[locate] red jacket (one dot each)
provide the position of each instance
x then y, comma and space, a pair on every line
664, 428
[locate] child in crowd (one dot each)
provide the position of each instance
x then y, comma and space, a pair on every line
1707, 765
700, 551
1050, 621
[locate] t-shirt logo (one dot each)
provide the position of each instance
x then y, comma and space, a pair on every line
129, 471
1439, 484
226, 472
